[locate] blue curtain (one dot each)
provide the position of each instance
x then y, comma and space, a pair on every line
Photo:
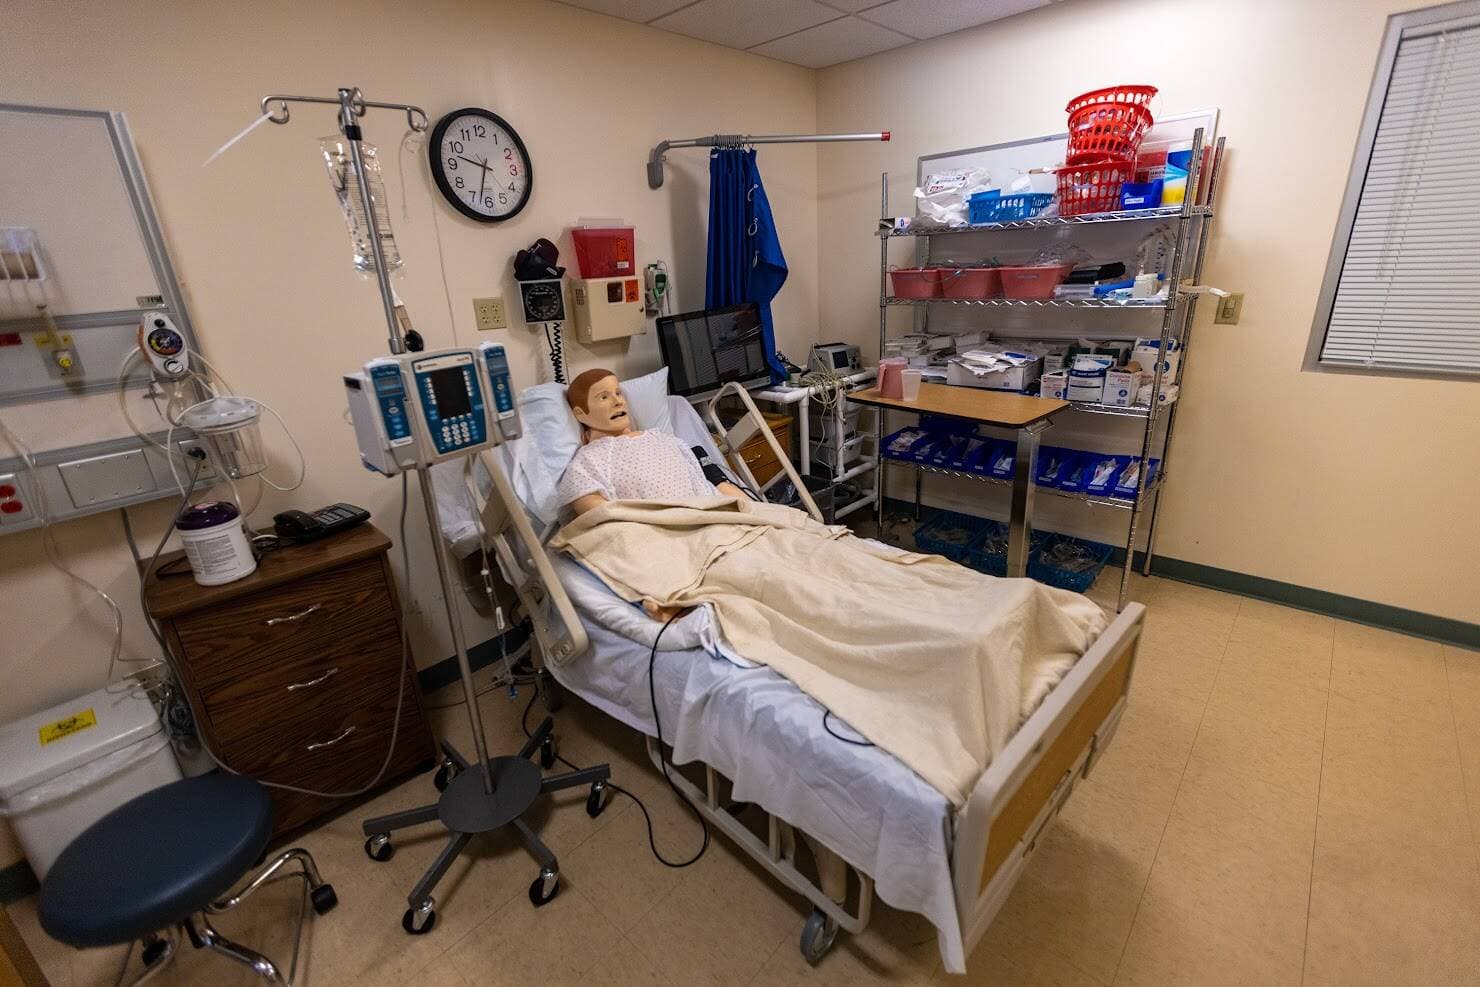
745, 259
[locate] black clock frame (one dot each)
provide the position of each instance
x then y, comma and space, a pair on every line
434, 155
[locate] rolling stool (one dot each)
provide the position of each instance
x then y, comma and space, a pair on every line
164, 860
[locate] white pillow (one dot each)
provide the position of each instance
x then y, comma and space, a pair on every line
552, 435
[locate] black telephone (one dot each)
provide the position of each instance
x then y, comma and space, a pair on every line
302, 526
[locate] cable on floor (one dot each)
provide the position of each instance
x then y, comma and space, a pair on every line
646, 816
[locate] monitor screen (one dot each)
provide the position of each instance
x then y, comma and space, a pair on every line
706, 349
450, 391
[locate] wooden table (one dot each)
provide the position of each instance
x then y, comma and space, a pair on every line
1028, 416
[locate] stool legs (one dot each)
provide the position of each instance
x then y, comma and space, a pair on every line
204, 935
157, 953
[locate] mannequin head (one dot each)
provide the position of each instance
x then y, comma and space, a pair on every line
596, 399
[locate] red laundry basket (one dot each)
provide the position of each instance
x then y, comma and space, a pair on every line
1108, 128
1134, 95
1091, 183
918, 282
974, 282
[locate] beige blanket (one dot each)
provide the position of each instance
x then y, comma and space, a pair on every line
933, 662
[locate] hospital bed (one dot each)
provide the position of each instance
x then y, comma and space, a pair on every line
745, 723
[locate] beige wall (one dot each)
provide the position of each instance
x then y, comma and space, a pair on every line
263, 254
1352, 484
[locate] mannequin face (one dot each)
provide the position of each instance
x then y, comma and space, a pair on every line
607, 414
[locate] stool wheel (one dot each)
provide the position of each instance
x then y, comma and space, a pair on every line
379, 847
152, 951
420, 921
596, 801
324, 899
545, 887
444, 776
547, 753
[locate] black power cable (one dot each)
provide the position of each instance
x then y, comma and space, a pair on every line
647, 818
847, 740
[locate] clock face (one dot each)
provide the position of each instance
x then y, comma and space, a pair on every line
480, 165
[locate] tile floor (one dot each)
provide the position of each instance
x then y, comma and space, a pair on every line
1290, 799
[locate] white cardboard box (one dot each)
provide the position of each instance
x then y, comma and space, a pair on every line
1003, 379
1120, 387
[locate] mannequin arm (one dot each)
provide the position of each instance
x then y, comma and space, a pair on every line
590, 501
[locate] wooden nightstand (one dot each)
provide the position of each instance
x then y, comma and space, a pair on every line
292, 671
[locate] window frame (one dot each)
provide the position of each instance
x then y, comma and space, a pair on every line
1387, 56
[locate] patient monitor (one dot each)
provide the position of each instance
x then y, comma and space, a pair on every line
415, 409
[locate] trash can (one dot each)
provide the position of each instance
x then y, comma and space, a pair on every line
63, 769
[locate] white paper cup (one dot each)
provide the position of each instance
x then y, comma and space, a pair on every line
910, 380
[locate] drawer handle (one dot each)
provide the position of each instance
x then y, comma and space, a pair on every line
313, 682
330, 743
274, 621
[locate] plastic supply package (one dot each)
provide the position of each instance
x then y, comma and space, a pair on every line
943, 197
900, 442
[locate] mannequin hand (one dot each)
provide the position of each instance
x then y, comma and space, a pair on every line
661, 613
730, 490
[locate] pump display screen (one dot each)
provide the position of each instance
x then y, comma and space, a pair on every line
450, 391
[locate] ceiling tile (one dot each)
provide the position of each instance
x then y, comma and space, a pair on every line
641, 11
744, 23
932, 18
828, 44
853, 6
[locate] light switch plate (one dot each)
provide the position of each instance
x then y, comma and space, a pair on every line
1230, 307
489, 313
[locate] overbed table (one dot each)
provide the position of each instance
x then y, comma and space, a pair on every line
1027, 416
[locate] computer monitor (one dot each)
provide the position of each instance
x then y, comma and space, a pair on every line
706, 349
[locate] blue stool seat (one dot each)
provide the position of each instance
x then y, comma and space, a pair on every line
156, 860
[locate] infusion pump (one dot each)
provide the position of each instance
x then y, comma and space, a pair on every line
414, 409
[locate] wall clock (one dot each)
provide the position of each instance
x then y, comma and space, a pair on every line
480, 165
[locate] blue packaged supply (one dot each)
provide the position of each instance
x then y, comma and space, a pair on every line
968, 452
1141, 195
1130, 477
947, 450
1002, 460
898, 445
1075, 474
1104, 470
1051, 463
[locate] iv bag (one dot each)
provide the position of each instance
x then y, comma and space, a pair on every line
347, 191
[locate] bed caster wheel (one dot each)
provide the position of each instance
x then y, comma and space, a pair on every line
420, 920
445, 773
818, 936
596, 801
378, 848
545, 887
324, 899
153, 949
547, 753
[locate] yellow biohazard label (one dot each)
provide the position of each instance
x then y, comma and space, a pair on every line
68, 725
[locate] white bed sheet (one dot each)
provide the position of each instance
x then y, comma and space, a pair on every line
767, 737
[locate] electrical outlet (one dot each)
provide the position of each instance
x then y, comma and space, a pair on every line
490, 314
1230, 307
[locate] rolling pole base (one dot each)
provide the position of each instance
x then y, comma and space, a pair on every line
465, 810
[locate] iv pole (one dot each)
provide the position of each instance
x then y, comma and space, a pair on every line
352, 105
508, 785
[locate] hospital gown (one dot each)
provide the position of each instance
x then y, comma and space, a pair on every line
648, 465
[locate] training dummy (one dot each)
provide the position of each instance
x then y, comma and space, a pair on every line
619, 462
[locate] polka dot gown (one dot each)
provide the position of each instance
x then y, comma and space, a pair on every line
649, 465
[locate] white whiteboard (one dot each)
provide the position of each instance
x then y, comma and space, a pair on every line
61, 176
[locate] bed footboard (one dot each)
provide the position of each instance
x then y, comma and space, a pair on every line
1024, 788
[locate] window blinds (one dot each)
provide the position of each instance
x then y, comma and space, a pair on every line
1408, 296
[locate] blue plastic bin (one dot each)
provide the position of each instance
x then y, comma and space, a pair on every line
994, 207
948, 533
1068, 563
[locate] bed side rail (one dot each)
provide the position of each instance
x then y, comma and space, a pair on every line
526, 564
753, 422
1023, 789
